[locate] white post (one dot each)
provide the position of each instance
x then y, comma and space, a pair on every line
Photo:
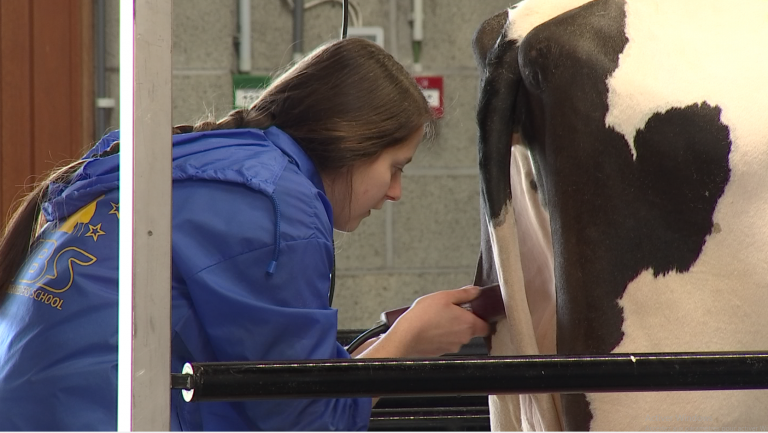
144, 322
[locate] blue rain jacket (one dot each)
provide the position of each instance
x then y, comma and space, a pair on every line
252, 257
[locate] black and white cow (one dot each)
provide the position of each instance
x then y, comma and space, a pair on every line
637, 132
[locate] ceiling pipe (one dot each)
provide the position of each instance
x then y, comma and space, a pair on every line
244, 48
298, 29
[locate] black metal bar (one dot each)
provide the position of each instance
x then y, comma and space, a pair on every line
436, 413
431, 419
478, 376
434, 401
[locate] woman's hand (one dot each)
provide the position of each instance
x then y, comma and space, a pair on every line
434, 325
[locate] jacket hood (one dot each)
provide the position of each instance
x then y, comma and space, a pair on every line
252, 157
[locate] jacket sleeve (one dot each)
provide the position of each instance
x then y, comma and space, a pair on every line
222, 247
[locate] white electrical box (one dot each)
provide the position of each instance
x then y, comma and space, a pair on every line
374, 34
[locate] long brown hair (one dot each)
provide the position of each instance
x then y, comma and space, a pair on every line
23, 226
344, 103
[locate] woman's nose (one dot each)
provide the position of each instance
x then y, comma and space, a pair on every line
395, 190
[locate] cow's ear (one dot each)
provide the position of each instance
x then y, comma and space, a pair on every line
487, 35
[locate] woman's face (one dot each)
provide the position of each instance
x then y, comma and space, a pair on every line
373, 183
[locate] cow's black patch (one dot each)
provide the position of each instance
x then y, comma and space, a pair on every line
487, 36
565, 63
682, 168
576, 414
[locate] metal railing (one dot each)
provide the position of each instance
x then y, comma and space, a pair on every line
449, 393
640, 372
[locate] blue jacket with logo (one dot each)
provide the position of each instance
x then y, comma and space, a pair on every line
252, 258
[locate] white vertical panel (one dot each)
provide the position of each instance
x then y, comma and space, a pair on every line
145, 224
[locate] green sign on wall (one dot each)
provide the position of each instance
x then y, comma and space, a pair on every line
248, 88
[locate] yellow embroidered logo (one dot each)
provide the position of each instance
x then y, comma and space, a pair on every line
52, 270
95, 232
115, 209
55, 281
82, 216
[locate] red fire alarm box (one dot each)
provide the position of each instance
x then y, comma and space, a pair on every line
432, 87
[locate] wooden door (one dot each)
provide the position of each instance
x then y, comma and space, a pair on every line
46, 90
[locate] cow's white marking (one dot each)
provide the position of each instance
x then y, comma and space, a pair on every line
528, 14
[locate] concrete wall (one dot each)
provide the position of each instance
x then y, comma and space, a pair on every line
429, 240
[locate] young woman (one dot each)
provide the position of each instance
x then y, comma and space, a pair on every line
256, 197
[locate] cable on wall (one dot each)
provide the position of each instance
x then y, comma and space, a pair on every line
344, 19
355, 15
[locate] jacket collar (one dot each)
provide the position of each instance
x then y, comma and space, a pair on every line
295, 154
